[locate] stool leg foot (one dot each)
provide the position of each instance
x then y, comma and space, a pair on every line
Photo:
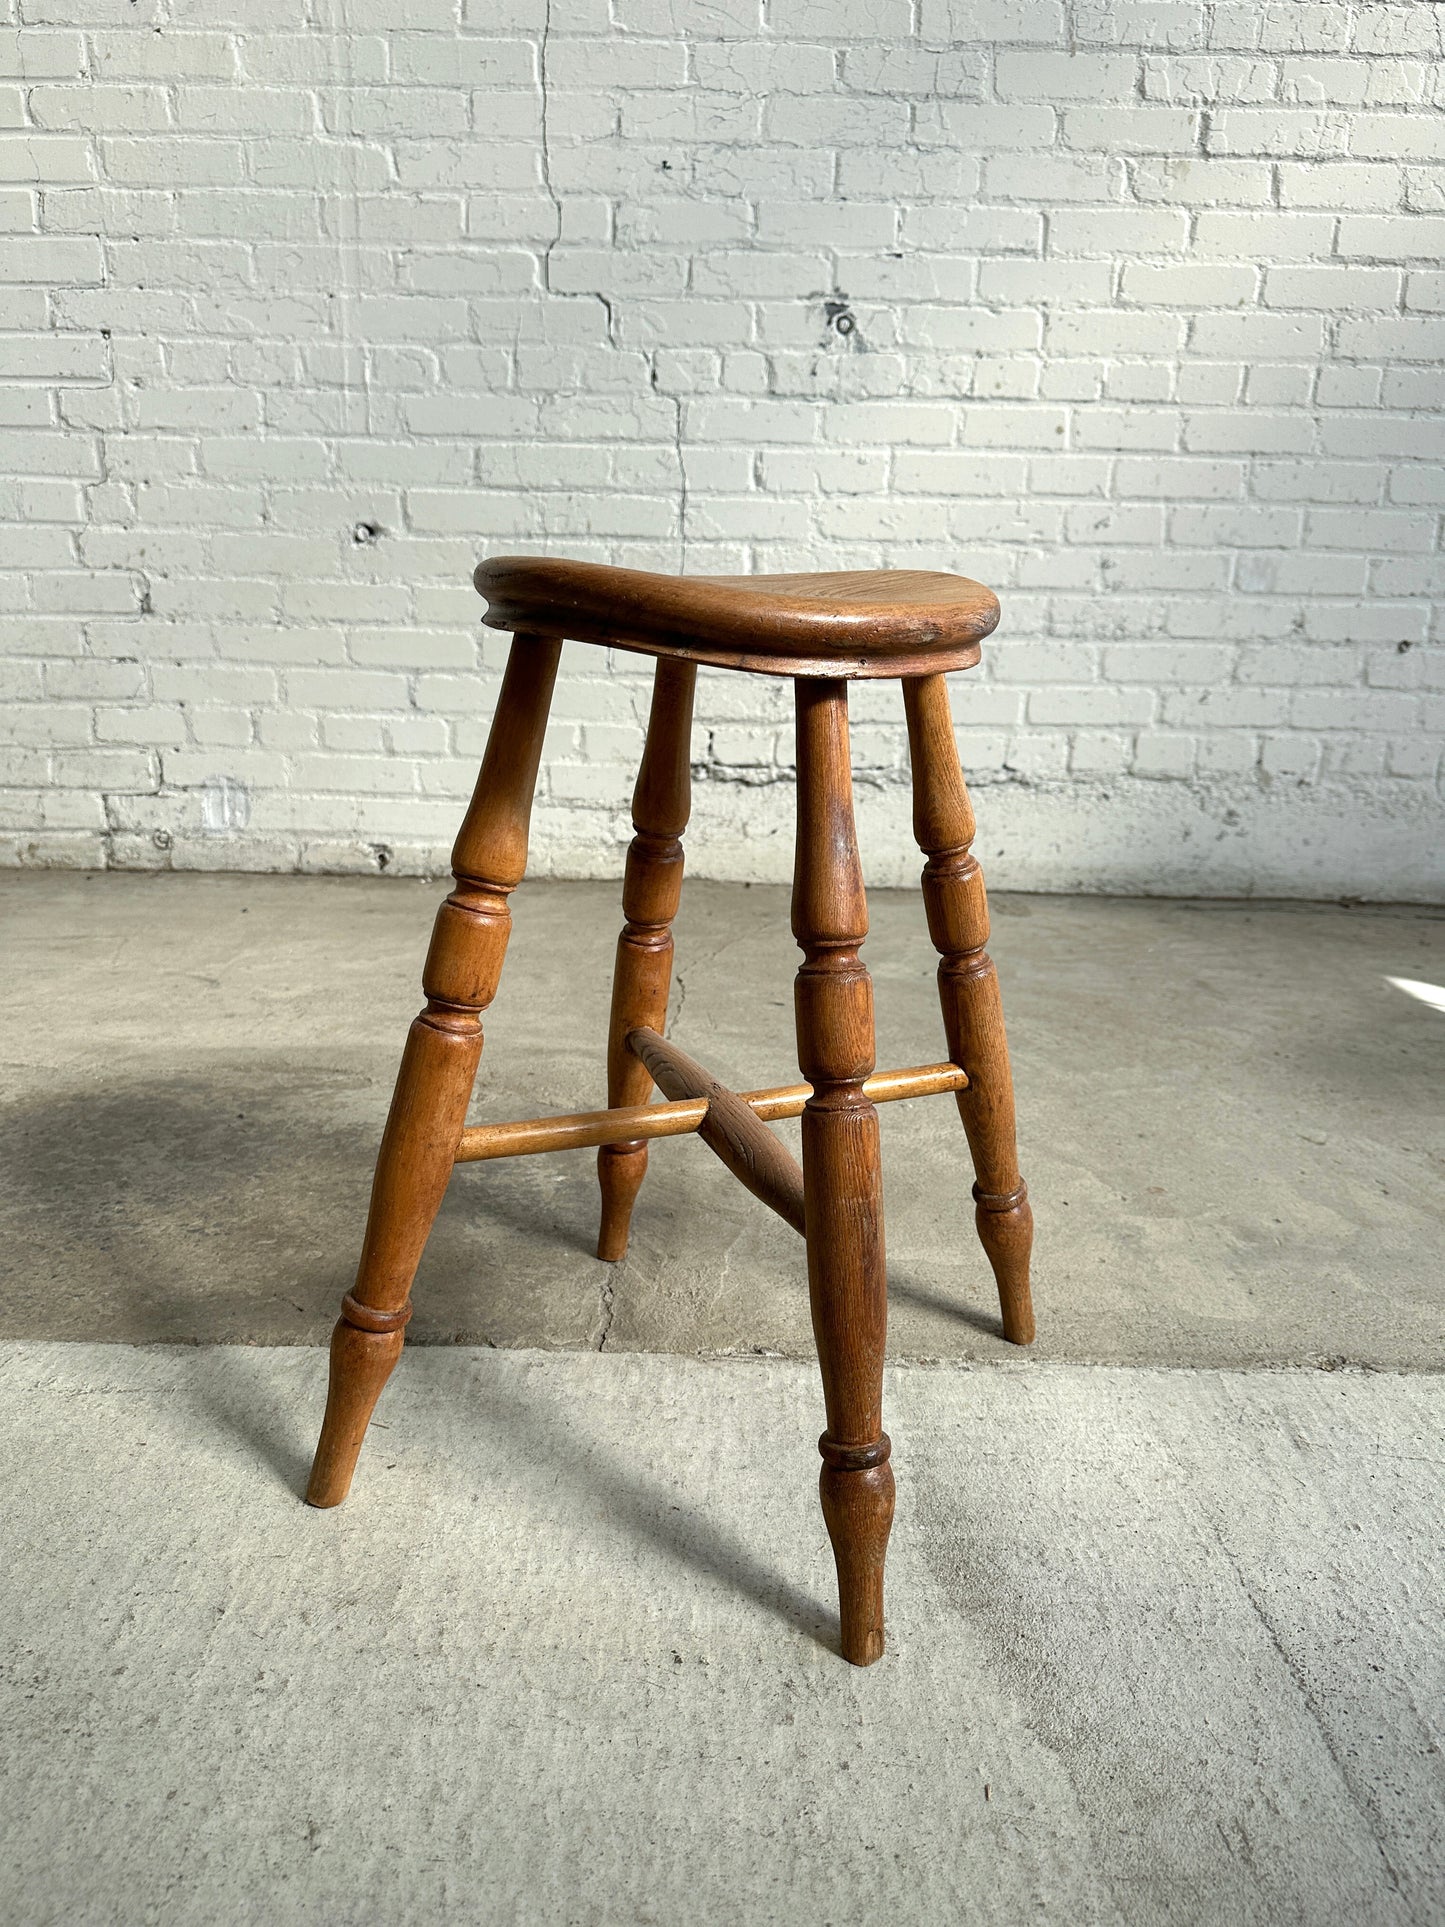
957, 908
842, 1172
1006, 1232
620, 1171
858, 1512
361, 1363
651, 892
438, 1066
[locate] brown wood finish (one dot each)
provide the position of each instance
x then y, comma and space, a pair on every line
760, 1162
882, 622
957, 909
822, 631
651, 891
439, 1064
847, 1281
580, 1130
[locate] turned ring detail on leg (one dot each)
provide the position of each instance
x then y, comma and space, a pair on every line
854, 1458
368, 1319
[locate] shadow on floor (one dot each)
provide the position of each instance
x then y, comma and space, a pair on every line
228, 1206
549, 1437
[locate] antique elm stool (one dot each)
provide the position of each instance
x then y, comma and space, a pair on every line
823, 631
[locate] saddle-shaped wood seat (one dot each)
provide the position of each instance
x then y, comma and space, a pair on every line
879, 622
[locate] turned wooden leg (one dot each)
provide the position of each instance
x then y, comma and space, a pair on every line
650, 895
843, 1192
439, 1064
957, 910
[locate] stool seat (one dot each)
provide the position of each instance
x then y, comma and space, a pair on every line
846, 624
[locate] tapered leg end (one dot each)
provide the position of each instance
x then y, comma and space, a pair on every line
329, 1482
1006, 1232
361, 1363
620, 1171
858, 1511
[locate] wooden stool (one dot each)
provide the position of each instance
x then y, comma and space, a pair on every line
823, 631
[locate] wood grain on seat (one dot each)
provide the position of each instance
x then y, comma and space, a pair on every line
883, 622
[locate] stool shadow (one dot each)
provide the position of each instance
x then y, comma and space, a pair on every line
248, 1407
650, 1510
565, 1218
546, 1434
907, 1291
220, 1205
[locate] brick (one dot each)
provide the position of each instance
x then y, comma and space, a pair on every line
1354, 709
1290, 756
1209, 381
134, 771
1253, 527
887, 20
1289, 133
1162, 755
1051, 178
1107, 331
1028, 663
244, 110
1359, 434
902, 68
1373, 529
1214, 285
1127, 231
1332, 287
1169, 663
1301, 575
1040, 75
1399, 237
1064, 283
157, 725
1264, 236
1204, 183
1214, 80
1091, 706
1000, 22
1348, 386
1258, 336
1248, 431
983, 126
36, 54
1317, 481
1410, 338
313, 58
732, 120
1287, 385
97, 108
1397, 30
48, 159
973, 330
1348, 185
1397, 137
124, 54
1294, 663
1426, 291
1223, 708
1126, 428
1131, 129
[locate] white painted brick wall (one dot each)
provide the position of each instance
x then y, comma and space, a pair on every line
1132, 308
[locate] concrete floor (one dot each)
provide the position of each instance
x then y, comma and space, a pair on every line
1164, 1648
1230, 1121
1164, 1642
